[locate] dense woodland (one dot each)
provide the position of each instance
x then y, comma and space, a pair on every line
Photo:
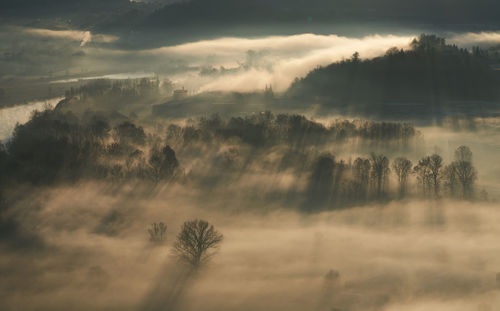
58, 146
432, 75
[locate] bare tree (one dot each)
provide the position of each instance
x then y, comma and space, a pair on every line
464, 171
467, 175
423, 171
361, 171
402, 168
463, 153
450, 179
195, 241
158, 232
380, 172
435, 166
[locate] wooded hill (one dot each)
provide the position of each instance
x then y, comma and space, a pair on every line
431, 77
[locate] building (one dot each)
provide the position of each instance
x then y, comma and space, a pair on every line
180, 94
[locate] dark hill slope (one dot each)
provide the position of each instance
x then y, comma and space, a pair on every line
432, 75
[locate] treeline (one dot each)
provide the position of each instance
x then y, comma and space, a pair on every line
431, 72
120, 88
267, 129
335, 183
59, 146
56, 146
120, 95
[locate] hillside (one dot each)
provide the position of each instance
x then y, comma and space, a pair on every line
431, 75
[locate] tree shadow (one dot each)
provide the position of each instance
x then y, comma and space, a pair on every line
166, 294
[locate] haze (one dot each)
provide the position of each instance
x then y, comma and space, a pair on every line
249, 155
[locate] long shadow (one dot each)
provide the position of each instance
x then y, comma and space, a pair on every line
172, 282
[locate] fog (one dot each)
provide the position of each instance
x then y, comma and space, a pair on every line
219, 64
87, 239
9, 117
481, 38
409, 255
250, 155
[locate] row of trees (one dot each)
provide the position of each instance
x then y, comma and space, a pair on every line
58, 146
61, 145
368, 178
131, 95
116, 88
458, 177
265, 129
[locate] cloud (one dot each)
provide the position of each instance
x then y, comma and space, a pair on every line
270, 260
21, 114
250, 63
471, 38
83, 37
277, 60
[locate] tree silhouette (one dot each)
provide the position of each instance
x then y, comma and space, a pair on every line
129, 133
450, 179
380, 171
464, 171
463, 154
321, 181
195, 241
158, 232
163, 163
423, 171
435, 166
361, 172
402, 168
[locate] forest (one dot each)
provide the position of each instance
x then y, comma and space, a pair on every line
429, 78
181, 196
59, 147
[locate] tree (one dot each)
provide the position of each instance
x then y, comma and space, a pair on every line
322, 180
450, 178
393, 51
463, 154
98, 129
128, 133
435, 166
402, 168
361, 171
135, 162
423, 171
355, 57
195, 241
380, 171
464, 171
158, 232
426, 43
163, 163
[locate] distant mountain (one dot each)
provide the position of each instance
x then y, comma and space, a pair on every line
41, 8
257, 11
80, 14
162, 22
193, 20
